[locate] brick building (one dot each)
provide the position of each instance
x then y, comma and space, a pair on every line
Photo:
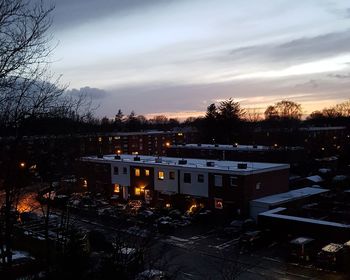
222, 185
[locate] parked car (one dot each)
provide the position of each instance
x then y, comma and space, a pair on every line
234, 229
253, 239
302, 249
152, 274
331, 256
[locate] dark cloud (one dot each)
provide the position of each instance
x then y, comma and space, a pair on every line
296, 51
93, 93
310, 83
70, 13
340, 76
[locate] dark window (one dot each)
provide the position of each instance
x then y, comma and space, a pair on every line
115, 170
125, 170
172, 175
200, 178
187, 177
218, 180
233, 181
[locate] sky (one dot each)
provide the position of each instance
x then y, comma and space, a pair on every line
175, 57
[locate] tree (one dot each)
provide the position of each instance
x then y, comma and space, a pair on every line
212, 112
284, 110
27, 90
119, 119
230, 110
253, 115
271, 113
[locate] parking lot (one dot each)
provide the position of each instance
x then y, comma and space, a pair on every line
191, 249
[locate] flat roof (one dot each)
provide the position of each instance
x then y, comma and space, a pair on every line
289, 196
274, 214
236, 147
322, 128
218, 165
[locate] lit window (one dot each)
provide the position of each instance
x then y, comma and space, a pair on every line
187, 178
160, 175
218, 180
85, 183
137, 172
115, 170
146, 172
125, 170
99, 139
172, 175
200, 178
137, 191
233, 181
116, 188
218, 203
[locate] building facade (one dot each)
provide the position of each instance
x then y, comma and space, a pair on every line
221, 185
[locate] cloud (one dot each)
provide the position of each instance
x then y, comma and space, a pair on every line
300, 50
340, 76
93, 93
74, 13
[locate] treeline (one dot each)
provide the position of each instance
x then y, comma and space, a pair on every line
221, 123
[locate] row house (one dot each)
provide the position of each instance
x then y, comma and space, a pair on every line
221, 185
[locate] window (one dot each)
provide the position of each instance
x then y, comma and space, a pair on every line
137, 172
234, 181
200, 178
172, 175
217, 180
137, 191
160, 175
116, 188
187, 177
125, 170
115, 170
258, 186
146, 172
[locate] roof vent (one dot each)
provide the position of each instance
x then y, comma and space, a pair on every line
100, 156
199, 144
242, 166
255, 146
117, 157
216, 145
158, 160
137, 158
182, 161
210, 163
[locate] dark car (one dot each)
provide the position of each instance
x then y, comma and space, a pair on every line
302, 249
254, 239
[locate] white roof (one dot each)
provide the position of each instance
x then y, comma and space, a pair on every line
289, 196
315, 178
235, 147
274, 214
332, 247
219, 165
301, 240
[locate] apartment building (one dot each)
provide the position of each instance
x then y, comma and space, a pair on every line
222, 185
256, 153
